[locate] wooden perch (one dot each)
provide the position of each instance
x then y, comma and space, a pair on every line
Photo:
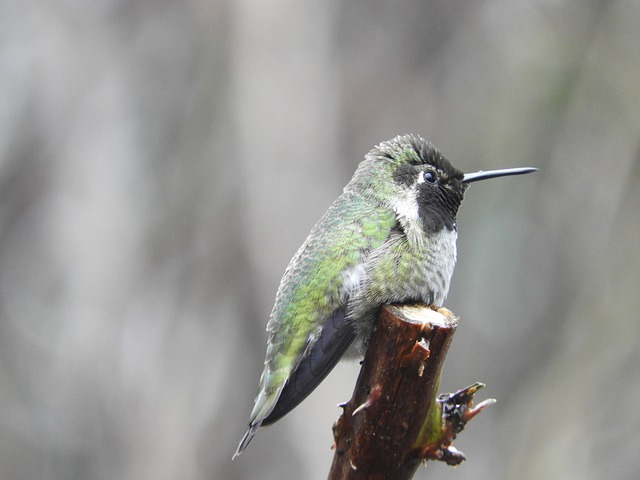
394, 421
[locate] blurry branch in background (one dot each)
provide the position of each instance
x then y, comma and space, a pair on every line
394, 421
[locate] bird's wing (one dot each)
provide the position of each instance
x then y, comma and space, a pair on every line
326, 351
307, 331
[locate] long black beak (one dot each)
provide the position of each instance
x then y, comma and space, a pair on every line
474, 177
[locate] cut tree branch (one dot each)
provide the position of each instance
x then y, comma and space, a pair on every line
394, 420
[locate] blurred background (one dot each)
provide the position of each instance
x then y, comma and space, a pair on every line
160, 163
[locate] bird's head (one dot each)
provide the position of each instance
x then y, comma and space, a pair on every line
414, 177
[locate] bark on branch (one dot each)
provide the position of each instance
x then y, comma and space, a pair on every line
394, 419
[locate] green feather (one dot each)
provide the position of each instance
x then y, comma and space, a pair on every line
311, 289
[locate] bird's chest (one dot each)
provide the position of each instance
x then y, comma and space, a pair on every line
402, 271
435, 260
412, 267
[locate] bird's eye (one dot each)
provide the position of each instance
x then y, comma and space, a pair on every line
429, 176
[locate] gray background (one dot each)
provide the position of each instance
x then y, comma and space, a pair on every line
161, 161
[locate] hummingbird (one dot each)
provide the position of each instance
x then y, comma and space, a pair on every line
390, 237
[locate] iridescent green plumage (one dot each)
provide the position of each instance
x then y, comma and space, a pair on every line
312, 288
390, 237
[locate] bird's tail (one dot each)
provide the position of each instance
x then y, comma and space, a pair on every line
336, 337
265, 402
251, 431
